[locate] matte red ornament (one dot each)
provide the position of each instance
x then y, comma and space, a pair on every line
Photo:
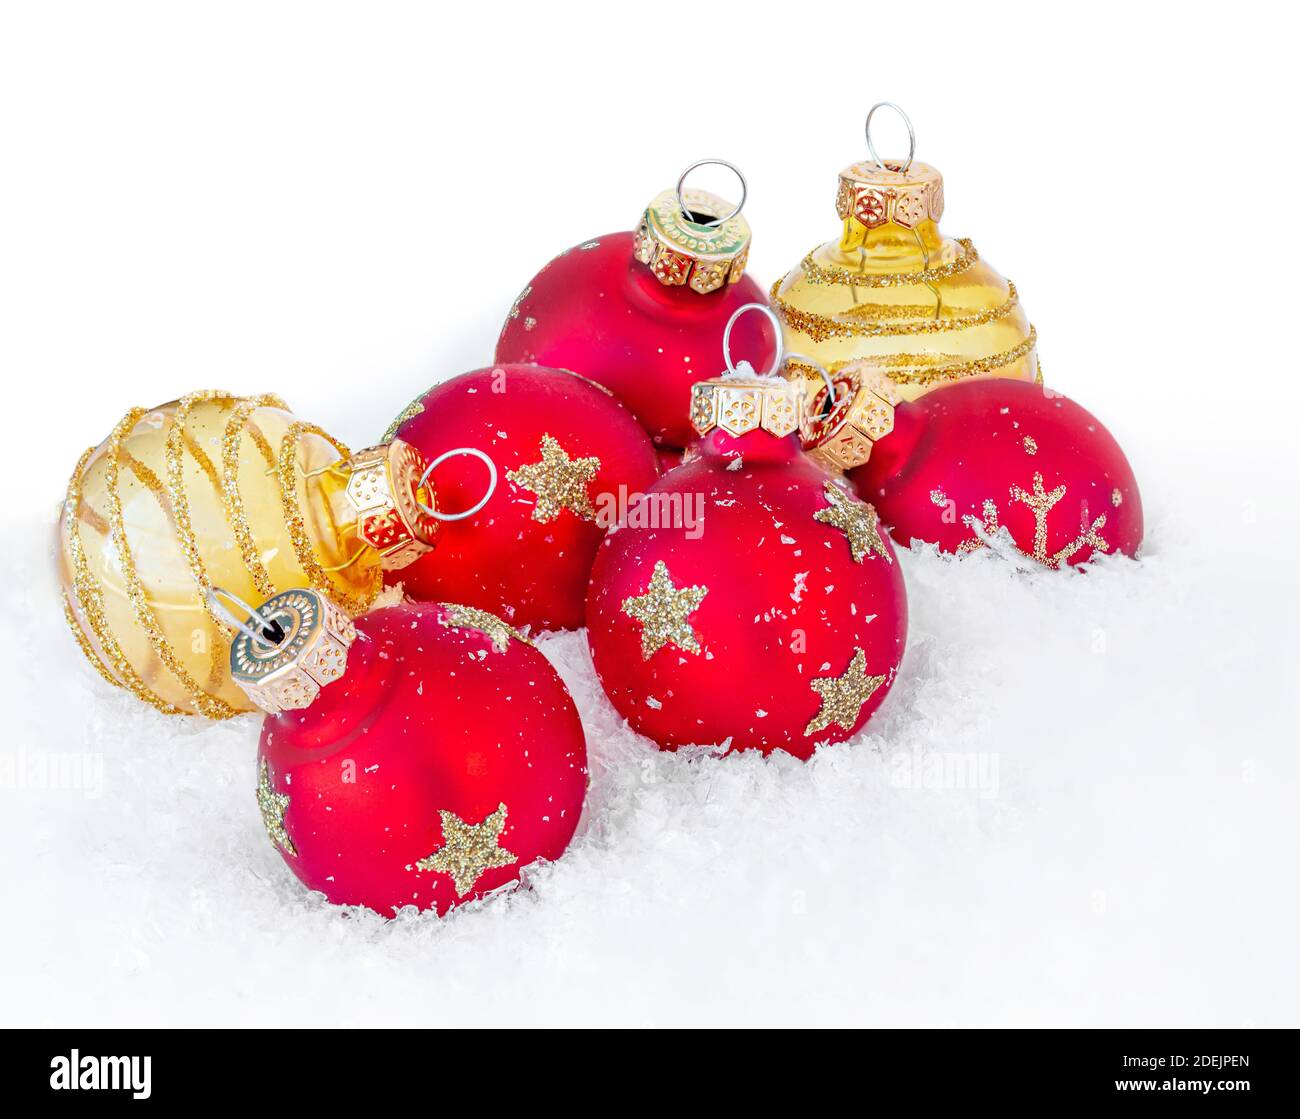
668, 458
642, 312
442, 756
967, 460
565, 450
750, 600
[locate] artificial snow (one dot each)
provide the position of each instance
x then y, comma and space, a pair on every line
1076, 806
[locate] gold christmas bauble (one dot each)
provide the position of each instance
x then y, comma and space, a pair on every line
892, 291
218, 491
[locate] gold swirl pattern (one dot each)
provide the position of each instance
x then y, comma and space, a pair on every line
293, 519
241, 420
913, 368
211, 706
95, 628
814, 273
821, 327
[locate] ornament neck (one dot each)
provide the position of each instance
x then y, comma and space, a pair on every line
752, 448
349, 704
891, 247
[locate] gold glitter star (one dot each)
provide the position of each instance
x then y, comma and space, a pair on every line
558, 481
469, 849
1041, 503
857, 520
489, 625
843, 696
272, 806
663, 613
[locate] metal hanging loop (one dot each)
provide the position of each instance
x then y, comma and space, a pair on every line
269, 626
473, 452
744, 191
831, 395
911, 135
777, 358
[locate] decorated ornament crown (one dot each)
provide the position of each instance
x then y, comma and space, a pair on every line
289, 649
693, 237
394, 502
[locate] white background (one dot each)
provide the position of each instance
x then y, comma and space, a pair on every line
339, 203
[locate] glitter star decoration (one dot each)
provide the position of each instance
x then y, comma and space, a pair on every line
455, 616
1041, 502
664, 613
560, 482
469, 849
843, 696
272, 806
857, 520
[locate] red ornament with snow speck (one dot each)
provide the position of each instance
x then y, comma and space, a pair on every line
749, 599
641, 312
423, 755
968, 460
564, 450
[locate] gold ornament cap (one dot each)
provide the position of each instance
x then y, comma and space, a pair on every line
392, 498
846, 427
694, 238
872, 194
303, 646
743, 401
878, 191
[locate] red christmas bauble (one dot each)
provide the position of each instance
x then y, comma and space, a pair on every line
668, 458
445, 757
749, 599
969, 459
566, 452
601, 312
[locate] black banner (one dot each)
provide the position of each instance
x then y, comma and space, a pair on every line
299, 1067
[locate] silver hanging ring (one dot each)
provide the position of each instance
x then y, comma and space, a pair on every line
474, 452
214, 596
831, 395
744, 192
777, 358
911, 135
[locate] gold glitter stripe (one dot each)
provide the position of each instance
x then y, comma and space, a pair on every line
815, 274
408, 413
231, 439
178, 442
910, 368
293, 520
84, 645
91, 603
821, 327
261, 442
151, 482
208, 705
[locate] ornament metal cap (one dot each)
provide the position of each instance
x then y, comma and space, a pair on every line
289, 649
740, 404
871, 195
848, 424
876, 191
693, 237
741, 400
395, 505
